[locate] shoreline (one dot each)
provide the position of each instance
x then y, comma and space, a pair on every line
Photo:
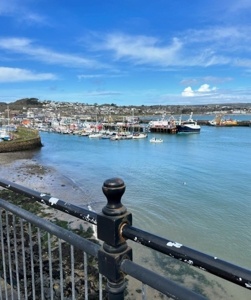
23, 169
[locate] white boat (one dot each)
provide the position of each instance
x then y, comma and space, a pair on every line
126, 135
116, 137
4, 135
106, 136
154, 140
189, 126
139, 135
95, 135
163, 123
85, 133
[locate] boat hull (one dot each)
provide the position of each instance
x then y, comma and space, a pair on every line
187, 129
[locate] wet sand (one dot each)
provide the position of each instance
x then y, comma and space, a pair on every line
23, 169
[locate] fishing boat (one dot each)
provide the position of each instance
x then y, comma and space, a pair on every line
154, 140
216, 120
139, 135
228, 122
163, 123
220, 120
188, 126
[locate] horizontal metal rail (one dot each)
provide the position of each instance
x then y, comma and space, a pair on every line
158, 282
211, 264
76, 211
148, 277
68, 236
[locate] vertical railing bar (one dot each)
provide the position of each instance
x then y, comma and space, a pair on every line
100, 286
32, 263
40, 263
16, 256
50, 264
9, 254
72, 273
3, 258
24, 262
4, 265
86, 275
143, 291
61, 269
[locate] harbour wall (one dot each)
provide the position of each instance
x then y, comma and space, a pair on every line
12, 146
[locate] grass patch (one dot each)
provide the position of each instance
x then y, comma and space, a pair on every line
24, 133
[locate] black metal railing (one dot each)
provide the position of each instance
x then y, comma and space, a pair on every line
114, 228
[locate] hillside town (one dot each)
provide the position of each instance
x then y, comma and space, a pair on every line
32, 110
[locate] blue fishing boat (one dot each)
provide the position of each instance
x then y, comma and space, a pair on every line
188, 126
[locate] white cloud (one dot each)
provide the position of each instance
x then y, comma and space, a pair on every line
188, 92
26, 47
189, 81
16, 75
21, 13
214, 79
89, 76
143, 49
102, 93
192, 48
33, 18
203, 90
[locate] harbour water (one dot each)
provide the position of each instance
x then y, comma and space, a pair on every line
192, 188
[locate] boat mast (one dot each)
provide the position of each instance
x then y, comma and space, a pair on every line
132, 120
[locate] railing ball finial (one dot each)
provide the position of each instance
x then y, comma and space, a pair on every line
114, 189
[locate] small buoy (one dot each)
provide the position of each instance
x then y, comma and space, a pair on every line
184, 183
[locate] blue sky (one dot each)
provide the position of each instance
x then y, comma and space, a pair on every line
130, 52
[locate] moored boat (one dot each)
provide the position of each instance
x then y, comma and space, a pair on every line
4, 135
220, 121
228, 122
154, 140
163, 123
95, 135
106, 136
115, 137
139, 135
188, 126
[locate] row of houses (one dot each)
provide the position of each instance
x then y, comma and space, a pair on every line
44, 111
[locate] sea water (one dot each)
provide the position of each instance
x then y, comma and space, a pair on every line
192, 188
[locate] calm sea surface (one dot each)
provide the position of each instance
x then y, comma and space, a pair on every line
194, 188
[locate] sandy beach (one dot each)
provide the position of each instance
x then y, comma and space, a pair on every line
23, 169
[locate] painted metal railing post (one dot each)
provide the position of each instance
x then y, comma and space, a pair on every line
110, 223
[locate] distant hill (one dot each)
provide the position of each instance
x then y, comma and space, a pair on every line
19, 104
